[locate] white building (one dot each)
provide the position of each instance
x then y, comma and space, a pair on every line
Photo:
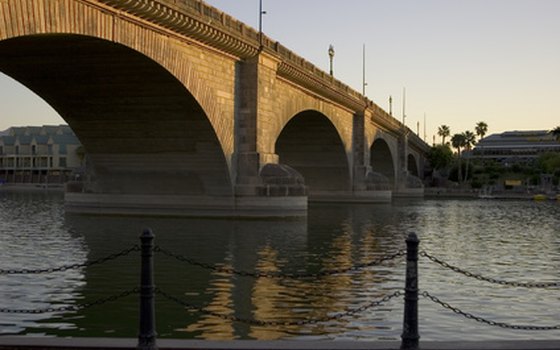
516, 146
45, 154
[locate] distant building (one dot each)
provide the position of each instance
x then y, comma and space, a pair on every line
44, 154
515, 147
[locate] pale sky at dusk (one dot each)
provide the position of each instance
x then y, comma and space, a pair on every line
461, 62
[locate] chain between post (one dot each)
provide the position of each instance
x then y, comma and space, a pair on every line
346, 313
488, 279
323, 273
77, 307
479, 319
134, 248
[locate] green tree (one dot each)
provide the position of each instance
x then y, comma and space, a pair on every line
549, 163
440, 156
458, 141
481, 129
444, 132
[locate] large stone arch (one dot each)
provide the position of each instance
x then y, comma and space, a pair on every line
143, 131
311, 144
196, 67
383, 161
145, 67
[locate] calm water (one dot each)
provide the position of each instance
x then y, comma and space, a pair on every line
513, 240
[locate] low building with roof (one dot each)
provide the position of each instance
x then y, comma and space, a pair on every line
516, 147
45, 155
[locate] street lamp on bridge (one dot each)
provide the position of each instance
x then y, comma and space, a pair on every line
261, 13
331, 56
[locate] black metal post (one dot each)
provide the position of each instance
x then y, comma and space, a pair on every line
410, 337
147, 333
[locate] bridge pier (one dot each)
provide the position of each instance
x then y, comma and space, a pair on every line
261, 183
407, 185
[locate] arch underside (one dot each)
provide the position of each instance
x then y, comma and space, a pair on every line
412, 166
310, 144
381, 160
143, 130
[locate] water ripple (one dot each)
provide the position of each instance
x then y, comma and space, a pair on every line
513, 240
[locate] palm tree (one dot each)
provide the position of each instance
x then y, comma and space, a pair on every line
444, 132
556, 133
481, 129
457, 141
468, 142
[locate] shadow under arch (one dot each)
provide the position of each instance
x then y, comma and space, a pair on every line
412, 166
144, 132
381, 160
310, 143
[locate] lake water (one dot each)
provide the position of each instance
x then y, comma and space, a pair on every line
509, 240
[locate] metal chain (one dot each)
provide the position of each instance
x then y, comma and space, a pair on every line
488, 322
72, 307
489, 279
322, 273
134, 248
346, 313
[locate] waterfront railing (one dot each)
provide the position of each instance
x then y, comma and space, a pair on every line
147, 291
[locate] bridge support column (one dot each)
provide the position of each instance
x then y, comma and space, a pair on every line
366, 187
359, 168
402, 167
259, 180
406, 185
246, 155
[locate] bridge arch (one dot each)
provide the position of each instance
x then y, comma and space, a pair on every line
311, 144
412, 165
143, 130
382, 160
241, 102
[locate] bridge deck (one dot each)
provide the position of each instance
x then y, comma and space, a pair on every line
14, 343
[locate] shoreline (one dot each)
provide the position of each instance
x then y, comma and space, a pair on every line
429, 192
449, 193
32, 187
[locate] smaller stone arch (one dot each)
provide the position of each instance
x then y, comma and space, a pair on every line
412, 165
382, 161
311, 144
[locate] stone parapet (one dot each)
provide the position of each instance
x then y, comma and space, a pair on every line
206, 24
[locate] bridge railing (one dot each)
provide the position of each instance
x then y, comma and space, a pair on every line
147, 291
169, 13
210, 25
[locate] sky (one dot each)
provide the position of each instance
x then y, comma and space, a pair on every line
460, 61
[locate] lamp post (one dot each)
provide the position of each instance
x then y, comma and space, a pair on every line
364, 83
331, 56
261, 13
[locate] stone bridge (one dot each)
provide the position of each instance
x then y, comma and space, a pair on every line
184, 110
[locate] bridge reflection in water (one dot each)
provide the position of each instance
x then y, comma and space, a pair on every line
264, 247
331, 237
